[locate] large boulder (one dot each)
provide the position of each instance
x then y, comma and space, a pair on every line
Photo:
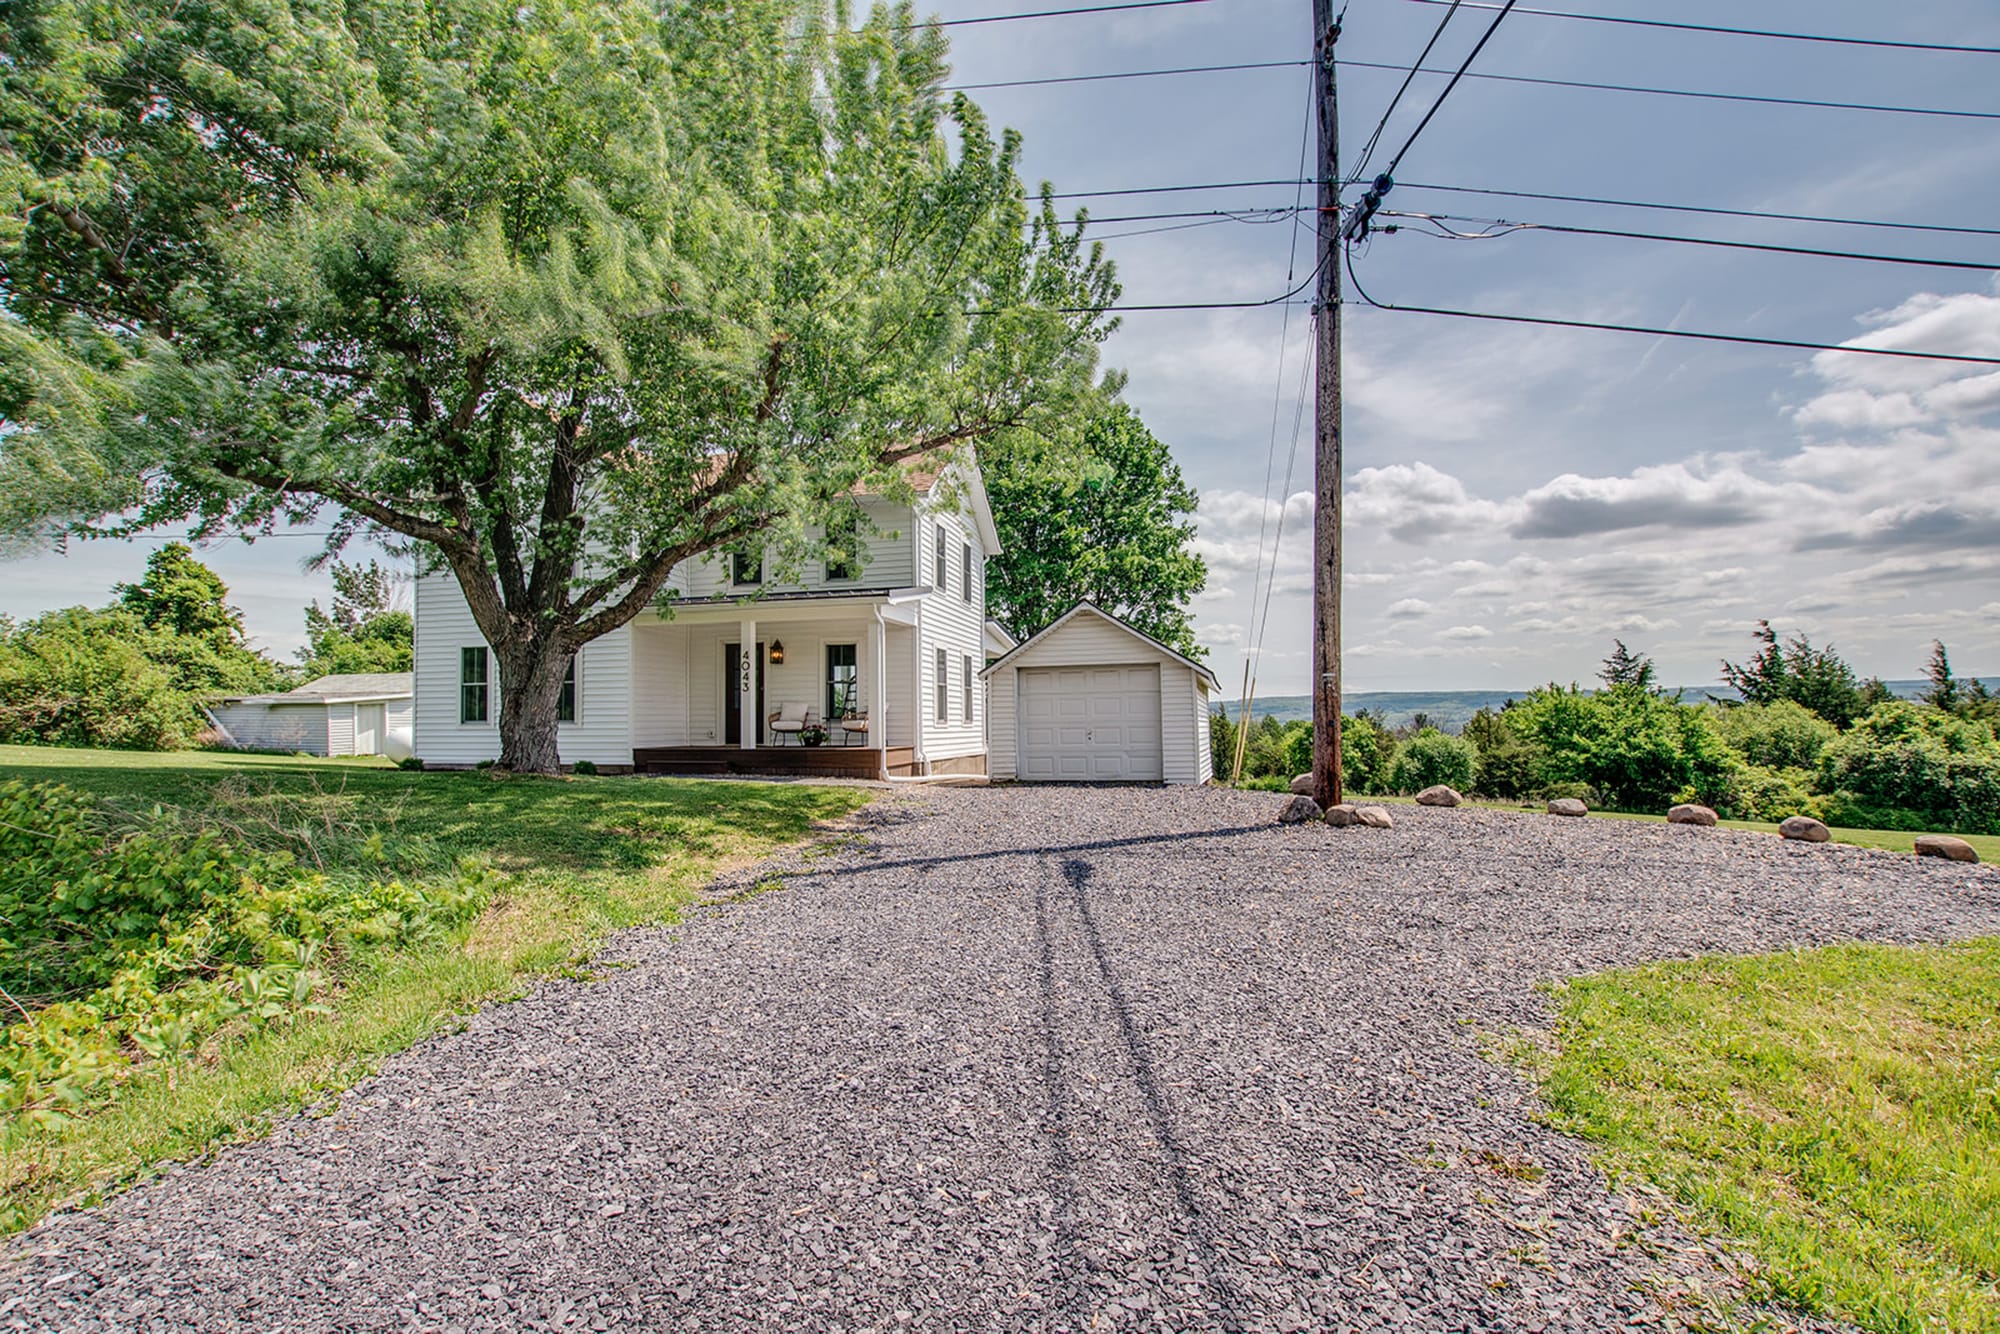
1438, 795
1375, 817
1689, 813
1343, 816
1944, 845
1568, 806
1302, 786
1804, 829
1298, 810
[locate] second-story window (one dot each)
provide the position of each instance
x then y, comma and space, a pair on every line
746, 567
843, 542
965, 571
943, 571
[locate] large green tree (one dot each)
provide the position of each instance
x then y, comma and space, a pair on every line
560, 294
1093, 507
369, 628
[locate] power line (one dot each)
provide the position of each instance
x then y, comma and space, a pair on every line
1278, 300
1566, 229
1368, 149
1278, 385
1126, 74
1757, 99
1550, 321
1738, 32
1685, 208
1552, 198
1463, 66
1052, 13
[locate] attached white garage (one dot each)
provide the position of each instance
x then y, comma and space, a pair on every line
1092, 700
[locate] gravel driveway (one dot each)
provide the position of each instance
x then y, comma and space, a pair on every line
1020, 1059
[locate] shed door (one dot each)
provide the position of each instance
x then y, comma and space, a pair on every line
368, 729
1089, 724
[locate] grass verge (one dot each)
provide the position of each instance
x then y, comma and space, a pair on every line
582, 857
1837, 1111
1895, 840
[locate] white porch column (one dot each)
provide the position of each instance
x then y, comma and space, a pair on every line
746, 683
878, 705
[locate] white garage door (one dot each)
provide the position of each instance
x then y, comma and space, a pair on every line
1089, 724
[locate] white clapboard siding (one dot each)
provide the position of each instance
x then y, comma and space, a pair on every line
601, 734
948, 621
255, 725
886, 563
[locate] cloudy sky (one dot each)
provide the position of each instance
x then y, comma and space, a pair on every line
1517, 496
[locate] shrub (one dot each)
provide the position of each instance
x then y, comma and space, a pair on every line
1367, 750
583, 768
1431, 757
143, 937
1758, 792
1636, 750
1906, 766
1785, 735
1509, 766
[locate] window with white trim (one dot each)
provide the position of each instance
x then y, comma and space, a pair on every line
566, 700
746, 568
943, 687
965, 571
965, 670
473, 691
943, 570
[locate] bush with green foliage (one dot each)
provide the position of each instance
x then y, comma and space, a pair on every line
131, 939
1367, 751
1432, 757
1758, 792
1634, 749
1509, 764
1910, 767
133, 675
1784, 735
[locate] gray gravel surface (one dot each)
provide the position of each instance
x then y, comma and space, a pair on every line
1018, 1059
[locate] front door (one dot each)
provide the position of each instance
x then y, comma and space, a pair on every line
368, 729
735, 678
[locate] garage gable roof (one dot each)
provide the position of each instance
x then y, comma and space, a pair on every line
1087, 607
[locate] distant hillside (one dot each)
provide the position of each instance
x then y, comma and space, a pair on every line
1449, 709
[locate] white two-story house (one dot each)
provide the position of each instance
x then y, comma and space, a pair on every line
884, 653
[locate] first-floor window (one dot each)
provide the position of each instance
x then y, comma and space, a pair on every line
965, 669
943, 687
566, 701
843, 682
472, 692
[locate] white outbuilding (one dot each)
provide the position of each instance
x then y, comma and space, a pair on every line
1092, 700
356, 713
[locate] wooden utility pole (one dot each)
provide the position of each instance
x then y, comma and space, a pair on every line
1326, 425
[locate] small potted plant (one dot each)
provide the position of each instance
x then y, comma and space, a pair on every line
813, 735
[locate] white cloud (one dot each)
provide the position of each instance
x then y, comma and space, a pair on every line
1408, 609
1463, 633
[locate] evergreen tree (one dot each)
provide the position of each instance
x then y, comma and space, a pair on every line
1943, 691
564, 294
181, 594
1100, 512
1626, 668
1818, 678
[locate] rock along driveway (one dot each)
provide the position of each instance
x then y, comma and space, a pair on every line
1020, 1059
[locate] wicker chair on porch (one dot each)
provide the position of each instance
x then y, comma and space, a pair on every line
792, 719
852, 724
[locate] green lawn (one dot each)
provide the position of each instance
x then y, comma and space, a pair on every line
1895, 840
1837, 1111
582, 857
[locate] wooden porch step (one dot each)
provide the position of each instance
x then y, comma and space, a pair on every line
793, 761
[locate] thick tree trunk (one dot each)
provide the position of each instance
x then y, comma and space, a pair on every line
531, 677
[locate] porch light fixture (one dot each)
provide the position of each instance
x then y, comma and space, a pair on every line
777, 652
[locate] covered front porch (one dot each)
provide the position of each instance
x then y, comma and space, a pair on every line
783, 685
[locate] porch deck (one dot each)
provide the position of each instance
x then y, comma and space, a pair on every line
792, 761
